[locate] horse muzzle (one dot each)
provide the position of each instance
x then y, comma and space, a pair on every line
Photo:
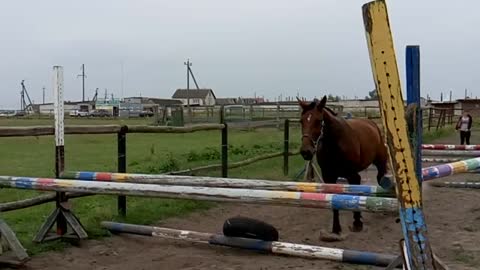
307, 153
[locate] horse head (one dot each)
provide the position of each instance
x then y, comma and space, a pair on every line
312, 121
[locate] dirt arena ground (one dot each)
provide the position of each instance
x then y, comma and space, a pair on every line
453, 219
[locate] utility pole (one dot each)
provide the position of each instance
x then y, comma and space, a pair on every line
43, 95
83, 82
188, 64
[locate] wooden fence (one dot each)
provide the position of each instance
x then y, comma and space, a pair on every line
123, 130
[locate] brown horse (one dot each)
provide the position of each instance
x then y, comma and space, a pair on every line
343, 148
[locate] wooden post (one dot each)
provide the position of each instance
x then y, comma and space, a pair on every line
122, 168
419, 254
278, 116
286, 135
430, 111
413, 97
224, 143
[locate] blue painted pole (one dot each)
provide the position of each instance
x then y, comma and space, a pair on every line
413, 97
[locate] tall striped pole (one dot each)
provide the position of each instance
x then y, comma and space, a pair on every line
59, 141
62, 214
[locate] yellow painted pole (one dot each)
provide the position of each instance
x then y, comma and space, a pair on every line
387, 81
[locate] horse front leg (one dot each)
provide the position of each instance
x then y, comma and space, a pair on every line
336, 234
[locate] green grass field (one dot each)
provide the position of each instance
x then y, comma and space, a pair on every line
146, 153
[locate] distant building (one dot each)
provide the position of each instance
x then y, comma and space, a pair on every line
472, 105
48, 108
225, 101
197, 97
112, 105
136, 106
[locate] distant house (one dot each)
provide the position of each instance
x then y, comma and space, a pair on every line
197, 97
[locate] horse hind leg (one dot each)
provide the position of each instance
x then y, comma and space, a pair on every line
357, 215
382, 180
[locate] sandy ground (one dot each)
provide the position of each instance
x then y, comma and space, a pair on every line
453, 219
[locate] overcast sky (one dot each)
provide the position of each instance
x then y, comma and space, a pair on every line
238, 48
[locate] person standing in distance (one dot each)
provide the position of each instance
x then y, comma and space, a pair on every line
464, 124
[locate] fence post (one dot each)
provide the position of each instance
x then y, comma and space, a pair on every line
224, 143
430, 110
122, 167
286, 135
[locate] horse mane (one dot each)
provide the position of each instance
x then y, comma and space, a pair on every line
330, 110
315, 102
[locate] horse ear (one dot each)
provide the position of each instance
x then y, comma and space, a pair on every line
322, 103
303, 104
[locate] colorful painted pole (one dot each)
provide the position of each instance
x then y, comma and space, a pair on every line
441, 160
457, 184
450, 147
203, 181
387, 81
303, 199
290, 249
454, 153
448, 169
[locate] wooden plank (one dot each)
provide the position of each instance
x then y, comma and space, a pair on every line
303, 199
15, 246
50, 130
10, 206
168, 129
162, 179
232, 165
391, 102
274, 247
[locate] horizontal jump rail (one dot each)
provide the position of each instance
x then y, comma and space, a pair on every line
302, 199
274, 247
443, 170
475, 185
453, 153
441, 160
450, 147
103, 129
204, 181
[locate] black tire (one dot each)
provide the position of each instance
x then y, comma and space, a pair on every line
249, 228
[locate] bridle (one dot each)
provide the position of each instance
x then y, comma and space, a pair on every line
315, 142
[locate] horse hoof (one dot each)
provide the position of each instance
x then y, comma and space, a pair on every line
331, 237
356, 228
